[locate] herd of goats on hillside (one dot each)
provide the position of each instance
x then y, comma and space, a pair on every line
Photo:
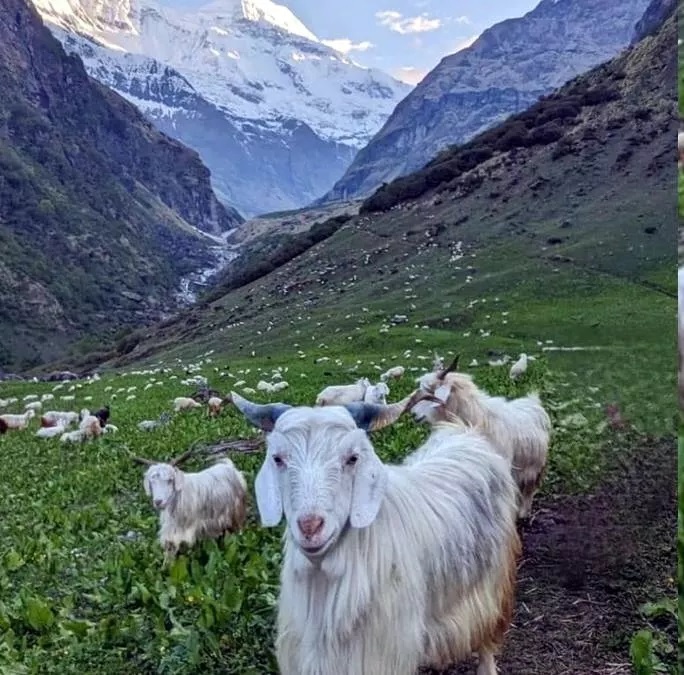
387, 567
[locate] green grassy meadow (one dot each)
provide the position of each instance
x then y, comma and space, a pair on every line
82, 589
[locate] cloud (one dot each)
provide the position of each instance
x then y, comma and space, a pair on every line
405, 25
410, 74
464, 43
345, 45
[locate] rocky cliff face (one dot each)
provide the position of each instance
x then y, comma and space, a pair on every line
275, 113
100, 214
505, 70
653, 18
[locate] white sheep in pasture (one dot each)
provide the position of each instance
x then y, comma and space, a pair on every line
343, 393
214, 404
88, 428
279, 386
391, 567
262, 385
520, 429
51, 432
519, 367
69, 397
393, 373
185, 403
33, 405
30, 397
192, 506
376, 393
47, 397
51, 418
18, 422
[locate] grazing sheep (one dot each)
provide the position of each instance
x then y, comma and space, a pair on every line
33, 405
18, 422
343, 393
47, 397
51, 431
519, 367
519, 429
393, 373
75, 436
214, 405
185, 403
193, 506
389, 568
52, 418
376, 393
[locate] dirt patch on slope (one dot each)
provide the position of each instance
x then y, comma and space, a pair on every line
588, 562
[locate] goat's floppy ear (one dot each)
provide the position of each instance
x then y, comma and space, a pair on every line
263, 416
370, 483
268, 496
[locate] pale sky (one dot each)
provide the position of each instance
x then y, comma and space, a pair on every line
405, 38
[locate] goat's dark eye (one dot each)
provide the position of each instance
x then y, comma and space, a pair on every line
278, 460
352, 460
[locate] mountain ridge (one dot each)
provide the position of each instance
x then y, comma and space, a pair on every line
101, 215
559, 232
504, 71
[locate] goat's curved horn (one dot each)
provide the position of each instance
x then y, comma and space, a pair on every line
451, 367
142, 460
373, 416
182, 457
261, 415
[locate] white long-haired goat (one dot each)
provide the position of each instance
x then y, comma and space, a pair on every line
342, 394
520, 429
192, 506
386, 568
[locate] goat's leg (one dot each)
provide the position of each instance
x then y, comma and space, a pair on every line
487, 664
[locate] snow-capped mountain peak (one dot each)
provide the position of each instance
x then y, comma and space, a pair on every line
259, 11
275, 113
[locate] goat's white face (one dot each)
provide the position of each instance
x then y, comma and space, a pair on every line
161, 482
428, 410
322, 472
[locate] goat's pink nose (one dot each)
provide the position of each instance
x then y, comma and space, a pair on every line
310, 525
